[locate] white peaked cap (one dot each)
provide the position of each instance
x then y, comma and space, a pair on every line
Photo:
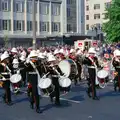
56, 51
41, 55
92, 50
14, 50
15, 61
33, 53
118, 53
4, 56
72, 50
38, 51
61, 51
51, 58
22, 58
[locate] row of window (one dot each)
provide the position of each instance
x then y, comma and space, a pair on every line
19, 7
96, 16
19, 25
98, 26
97, 6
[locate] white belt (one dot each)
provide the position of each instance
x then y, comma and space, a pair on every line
32, 73
91, 67
5, 73
117, 66
54, 75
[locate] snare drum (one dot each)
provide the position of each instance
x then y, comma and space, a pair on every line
68, 67
15, 78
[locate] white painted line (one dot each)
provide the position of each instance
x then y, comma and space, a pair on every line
74, 101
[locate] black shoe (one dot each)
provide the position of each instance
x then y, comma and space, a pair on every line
96, 98
38, 110
88, 93
57, 103
9, 103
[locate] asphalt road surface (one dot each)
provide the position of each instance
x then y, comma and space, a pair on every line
75, 106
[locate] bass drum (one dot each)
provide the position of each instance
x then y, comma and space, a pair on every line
102, 78
68, 67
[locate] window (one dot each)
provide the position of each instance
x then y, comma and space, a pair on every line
55, 26
5, 5
18, 25
55, 9
96, 6
96, 16
44, 8
18, 7
87, 17
87, 27
107, 4
44, 26
69, 27
29, 25
6, 25
87, 8
29, 7
68, 12
69, 1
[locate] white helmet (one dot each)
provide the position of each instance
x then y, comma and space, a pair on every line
22, 58
92, 50
72, 51
33, 53
4, 56
56, 51
51, 58
14, 50
118, 53
61, 51
15, 61
41, 55
6, 52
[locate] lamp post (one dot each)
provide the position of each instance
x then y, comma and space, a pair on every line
34, 23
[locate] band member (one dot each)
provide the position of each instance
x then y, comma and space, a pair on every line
5, 70
33, 70
54, 69
116, 64
92, 62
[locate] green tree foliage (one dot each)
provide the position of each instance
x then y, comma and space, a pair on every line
6, 40
112, 26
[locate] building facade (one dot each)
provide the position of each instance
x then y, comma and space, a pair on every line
53, 18
94, 16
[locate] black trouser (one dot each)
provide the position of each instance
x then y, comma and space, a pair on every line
7, 95
117, 81
92, 81
56, 92
34, 96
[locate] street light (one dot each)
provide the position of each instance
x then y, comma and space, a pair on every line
34, 23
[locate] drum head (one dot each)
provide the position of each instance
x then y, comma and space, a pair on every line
44, 83
102, 74
64, 82
15, 78
64, 65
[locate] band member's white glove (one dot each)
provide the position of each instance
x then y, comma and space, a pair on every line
18, 72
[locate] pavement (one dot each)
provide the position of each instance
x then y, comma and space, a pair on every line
76, 105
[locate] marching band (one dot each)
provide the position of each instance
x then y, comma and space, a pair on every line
52, 71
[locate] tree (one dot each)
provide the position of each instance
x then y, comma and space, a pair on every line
6, 40
112, 26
